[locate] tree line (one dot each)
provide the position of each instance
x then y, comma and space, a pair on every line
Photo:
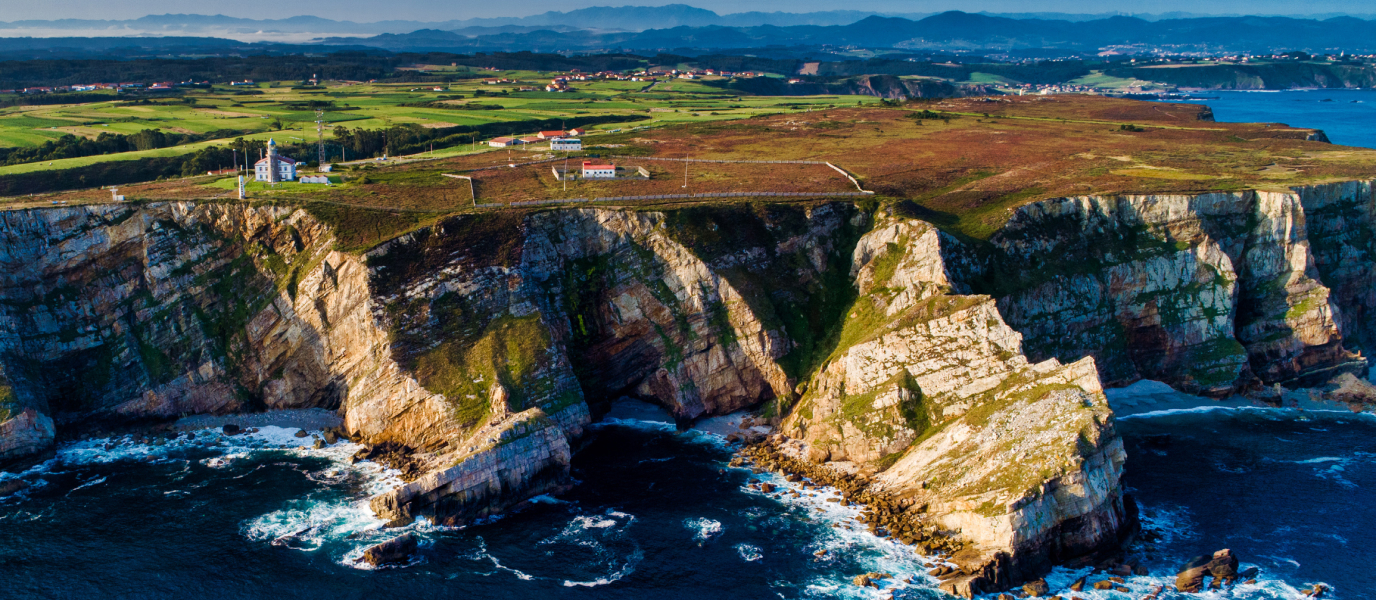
72, 146
358, 143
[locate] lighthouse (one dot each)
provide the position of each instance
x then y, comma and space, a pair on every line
273, 175
274, 168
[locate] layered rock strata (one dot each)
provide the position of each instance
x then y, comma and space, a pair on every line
1209, 292
25, 434
962, 381
932, 387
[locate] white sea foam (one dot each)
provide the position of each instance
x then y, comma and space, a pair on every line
590, 532
749, 553
851, 539
703, 529
93, 482
626, 569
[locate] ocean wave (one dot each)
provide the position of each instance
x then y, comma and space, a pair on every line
703, 529
849, 538
749, 553
626, 569
691, 435
1264, 411
93, 482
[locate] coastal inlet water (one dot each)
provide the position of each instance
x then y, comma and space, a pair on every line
1347, 116
655, 513
1288, 491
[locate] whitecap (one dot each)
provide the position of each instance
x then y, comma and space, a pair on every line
626, 569
749, 553
852, 540
594, 522
704, 529
93, 482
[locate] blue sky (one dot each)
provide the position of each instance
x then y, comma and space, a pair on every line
439, 10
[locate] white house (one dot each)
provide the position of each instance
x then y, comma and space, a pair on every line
566, 144
264, 169
315, 179
592, 170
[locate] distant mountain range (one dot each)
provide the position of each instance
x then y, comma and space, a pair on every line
949, 31
678, 28
600, 19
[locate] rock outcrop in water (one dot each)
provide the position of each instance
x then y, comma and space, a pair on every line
963, 379
25, 434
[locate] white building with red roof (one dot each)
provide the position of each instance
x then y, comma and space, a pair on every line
273, 168
595, 170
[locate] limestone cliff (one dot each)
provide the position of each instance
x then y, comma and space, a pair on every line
1208, 293
960, 377
931, 387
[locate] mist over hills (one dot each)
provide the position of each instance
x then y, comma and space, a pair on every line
680, 27
949, 31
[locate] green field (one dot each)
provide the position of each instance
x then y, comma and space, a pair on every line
282, 111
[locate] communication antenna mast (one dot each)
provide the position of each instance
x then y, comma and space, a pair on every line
320, 133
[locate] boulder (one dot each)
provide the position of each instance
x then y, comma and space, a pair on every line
1037, 588
331, 438
1352, 389
397, 550
1078, 586
302, 433
1222, 565
10, 486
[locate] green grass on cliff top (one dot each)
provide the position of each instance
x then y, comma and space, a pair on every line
963, 164
375, 106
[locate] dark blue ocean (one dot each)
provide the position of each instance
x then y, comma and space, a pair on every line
655, 514
1347, 116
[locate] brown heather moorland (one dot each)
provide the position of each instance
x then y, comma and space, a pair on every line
964, 164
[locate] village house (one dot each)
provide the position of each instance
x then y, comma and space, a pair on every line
531, 139
566, 144
593, 170
503, 142
576, 131
545, 135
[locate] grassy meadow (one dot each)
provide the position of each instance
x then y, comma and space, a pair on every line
283, 110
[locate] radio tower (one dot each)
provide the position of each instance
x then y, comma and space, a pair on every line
320, 134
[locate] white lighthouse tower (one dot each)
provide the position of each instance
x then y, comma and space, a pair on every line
274, 168
273, 175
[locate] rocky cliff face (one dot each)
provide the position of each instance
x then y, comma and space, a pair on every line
1209, 293
930, 386
963, 380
